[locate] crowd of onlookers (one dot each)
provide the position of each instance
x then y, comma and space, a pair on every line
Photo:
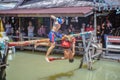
30, 32
102, 31
42, 29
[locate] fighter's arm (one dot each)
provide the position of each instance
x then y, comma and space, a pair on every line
53, 17
67, 37
57, 20
73, 46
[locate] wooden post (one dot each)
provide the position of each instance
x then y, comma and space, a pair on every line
50, 23
87, 54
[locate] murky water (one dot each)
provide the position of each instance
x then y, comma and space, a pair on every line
27, 65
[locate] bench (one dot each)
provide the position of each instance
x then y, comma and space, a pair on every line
112, 42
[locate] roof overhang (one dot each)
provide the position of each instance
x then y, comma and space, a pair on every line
38, 12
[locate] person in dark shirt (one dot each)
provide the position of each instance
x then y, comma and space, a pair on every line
107, 31
99, 33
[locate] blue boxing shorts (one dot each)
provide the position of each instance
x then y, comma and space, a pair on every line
54, 35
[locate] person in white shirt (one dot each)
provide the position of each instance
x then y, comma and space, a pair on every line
30, 30
8, 28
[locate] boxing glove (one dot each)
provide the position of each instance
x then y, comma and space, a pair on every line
59, 20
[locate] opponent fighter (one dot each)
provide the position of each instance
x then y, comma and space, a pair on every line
53, 35
69, 49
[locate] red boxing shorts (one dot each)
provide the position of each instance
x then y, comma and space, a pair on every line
66, 44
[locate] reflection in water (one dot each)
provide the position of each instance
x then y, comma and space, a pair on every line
60, 75
54, 77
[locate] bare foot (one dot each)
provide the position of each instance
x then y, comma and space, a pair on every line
47, 59
35, 46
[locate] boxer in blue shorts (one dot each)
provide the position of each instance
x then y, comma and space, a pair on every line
53, 34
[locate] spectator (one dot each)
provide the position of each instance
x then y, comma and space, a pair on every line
17, 34
108, 28
89, 28
41, 31
83, 27
98, 33
23, 31
72, 28
108, 31
44, 31
30, 30
8, 28
102, 34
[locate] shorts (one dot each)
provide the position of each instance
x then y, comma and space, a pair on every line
66, 44
30, 34
54, 35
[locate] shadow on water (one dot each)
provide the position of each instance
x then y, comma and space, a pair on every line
68, 74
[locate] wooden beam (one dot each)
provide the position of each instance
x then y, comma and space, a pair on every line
44, 15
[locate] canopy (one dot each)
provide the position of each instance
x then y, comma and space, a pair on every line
38, 12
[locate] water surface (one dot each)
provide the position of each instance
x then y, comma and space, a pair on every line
28, 65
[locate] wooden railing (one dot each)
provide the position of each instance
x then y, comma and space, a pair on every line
79, 47
113, 42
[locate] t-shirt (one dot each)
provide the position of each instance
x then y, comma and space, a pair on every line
30, 29
8, 28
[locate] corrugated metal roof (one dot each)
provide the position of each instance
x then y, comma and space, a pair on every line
68, 3
71, 11
33, 1
113, 2
56, 7
7, 5
8, 0
58, 3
